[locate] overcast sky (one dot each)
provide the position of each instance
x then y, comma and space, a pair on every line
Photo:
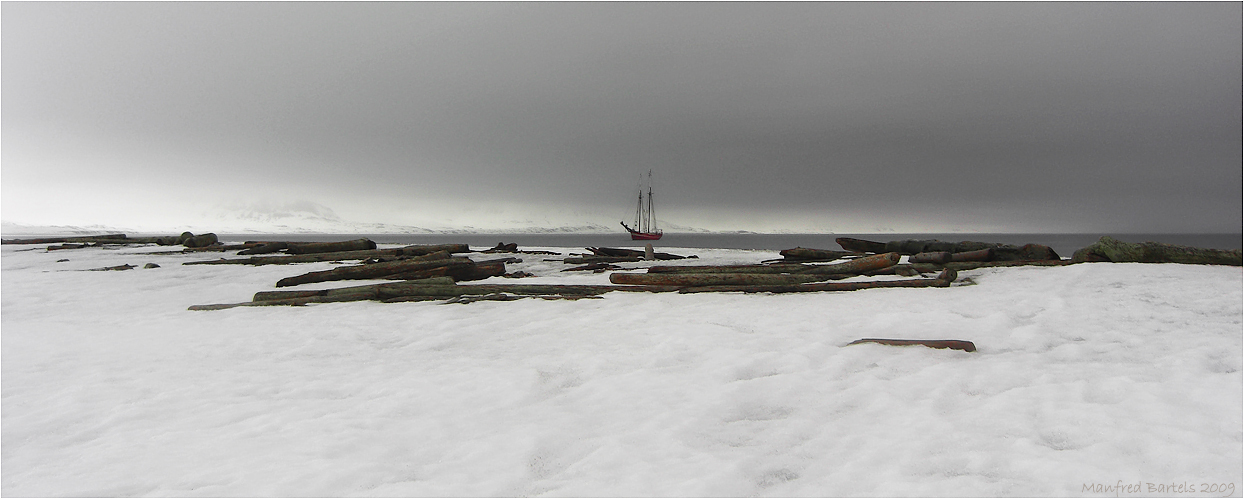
1110, 117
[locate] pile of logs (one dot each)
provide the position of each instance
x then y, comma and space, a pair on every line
777, 277
928, 256
201, 242
331, 252
436, 275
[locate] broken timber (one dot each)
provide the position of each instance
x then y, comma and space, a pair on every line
943, 280
857, 266
421, 291
376, 270
800, 254
416, 250
966, 346
703, 279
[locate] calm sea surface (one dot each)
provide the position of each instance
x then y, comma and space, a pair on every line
1064, 244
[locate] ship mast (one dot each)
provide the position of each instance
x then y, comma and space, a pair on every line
652, 216
645, 217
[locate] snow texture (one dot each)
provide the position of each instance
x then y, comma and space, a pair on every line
1086, 375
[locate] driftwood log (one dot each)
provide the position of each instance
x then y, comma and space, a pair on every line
373, 271
983, 255
944, 280
473, 271
1109, 249
265, 248
407, 251
699, 280
633, 253
329, 247
938, 257
966, 346
910, 269
1000, 252
800, 254
594, 267
73, 239
776, 268
580, 260
420, 291
317, 257
856, 266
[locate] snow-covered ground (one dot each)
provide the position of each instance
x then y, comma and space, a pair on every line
1090, 380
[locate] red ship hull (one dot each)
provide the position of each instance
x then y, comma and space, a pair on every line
645, 236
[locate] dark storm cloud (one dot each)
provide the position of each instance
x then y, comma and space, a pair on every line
1101, 116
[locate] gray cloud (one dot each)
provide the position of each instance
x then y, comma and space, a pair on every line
1063, 116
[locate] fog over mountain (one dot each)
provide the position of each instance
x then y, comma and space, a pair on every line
801, 117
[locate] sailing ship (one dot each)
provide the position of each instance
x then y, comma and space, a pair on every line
645, 219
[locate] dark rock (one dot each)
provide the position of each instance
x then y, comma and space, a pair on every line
199, 241
1113, 250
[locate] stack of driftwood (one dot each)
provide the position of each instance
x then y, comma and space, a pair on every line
434, 273
202, 242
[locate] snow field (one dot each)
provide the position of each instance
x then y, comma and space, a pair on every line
1089, 373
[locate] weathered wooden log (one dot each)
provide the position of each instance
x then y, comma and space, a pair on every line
330, 247
622, 252
594, 267
359, 295
614, 251
1017, 263
800, 254
473, 271
287, 295
439, 255
943, 280
67, 239
265, 248
372, 271
938, 257
856, 266
211, 247
317, 257
683, 280
776, 268
67, 246
1109, 249
421, 291
118, 267
983, 255
423, 249
237, 247
580, 260
860, 245
352, 290
1003, 252
966, 346
931, 268
398, 289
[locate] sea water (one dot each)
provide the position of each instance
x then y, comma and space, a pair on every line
1063, 244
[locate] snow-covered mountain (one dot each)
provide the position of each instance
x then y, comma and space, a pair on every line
304, 217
